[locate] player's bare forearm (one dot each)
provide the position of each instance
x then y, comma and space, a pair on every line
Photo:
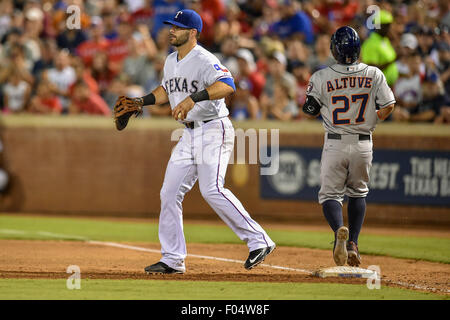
219, 90
385, 112
161, 110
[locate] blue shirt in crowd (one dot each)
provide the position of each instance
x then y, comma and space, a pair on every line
164, 11
299, 22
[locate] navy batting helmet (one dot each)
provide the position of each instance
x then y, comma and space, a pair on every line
345, 45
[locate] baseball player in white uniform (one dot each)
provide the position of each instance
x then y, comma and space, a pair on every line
352, 98
195, 84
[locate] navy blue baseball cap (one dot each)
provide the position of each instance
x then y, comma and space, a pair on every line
188, 19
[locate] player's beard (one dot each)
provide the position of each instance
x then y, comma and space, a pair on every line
182, 39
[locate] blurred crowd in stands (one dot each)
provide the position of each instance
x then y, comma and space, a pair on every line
271, 47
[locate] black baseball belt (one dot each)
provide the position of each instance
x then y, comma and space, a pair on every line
337, 136
191, 125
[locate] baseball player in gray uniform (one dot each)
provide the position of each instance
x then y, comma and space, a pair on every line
352, 98
195, 84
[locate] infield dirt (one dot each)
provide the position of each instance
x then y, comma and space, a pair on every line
50, 259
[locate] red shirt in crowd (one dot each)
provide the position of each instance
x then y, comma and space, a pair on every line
52, 103
141, 16
262, 66
89, 80
104, 79
94, 104
207, 34
216, 7
117, 50
258, 82
89, 48
340, 12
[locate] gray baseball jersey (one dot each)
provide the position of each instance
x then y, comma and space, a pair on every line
195, 72
349, 95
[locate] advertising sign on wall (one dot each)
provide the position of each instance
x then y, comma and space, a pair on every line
397, 177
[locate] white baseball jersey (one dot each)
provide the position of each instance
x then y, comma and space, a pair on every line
349, 96
198, 70
201, 154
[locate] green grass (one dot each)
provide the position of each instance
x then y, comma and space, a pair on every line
18, 289
420, 248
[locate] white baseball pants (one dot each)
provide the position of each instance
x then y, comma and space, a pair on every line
202, 153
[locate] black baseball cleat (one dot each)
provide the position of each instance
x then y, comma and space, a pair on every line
257, 256
354, 259
340, 253
161, 267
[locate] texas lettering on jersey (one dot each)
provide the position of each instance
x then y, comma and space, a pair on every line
194, 73
180, 84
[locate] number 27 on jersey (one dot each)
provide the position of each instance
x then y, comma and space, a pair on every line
342, 104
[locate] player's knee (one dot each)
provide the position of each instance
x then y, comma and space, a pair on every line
163, 196
209, 193
330, 197
168, 195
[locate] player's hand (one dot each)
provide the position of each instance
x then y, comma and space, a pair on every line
181, 110
143, 30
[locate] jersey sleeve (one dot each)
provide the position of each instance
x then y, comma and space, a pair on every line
314, 88
213, 71
384, 95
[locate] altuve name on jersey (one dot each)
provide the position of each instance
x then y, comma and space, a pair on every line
349, 82
180, 85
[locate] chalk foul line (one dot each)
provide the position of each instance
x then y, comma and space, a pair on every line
125, 246
135, 248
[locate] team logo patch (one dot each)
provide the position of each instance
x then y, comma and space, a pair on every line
310, 108
310, 87
218, 68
